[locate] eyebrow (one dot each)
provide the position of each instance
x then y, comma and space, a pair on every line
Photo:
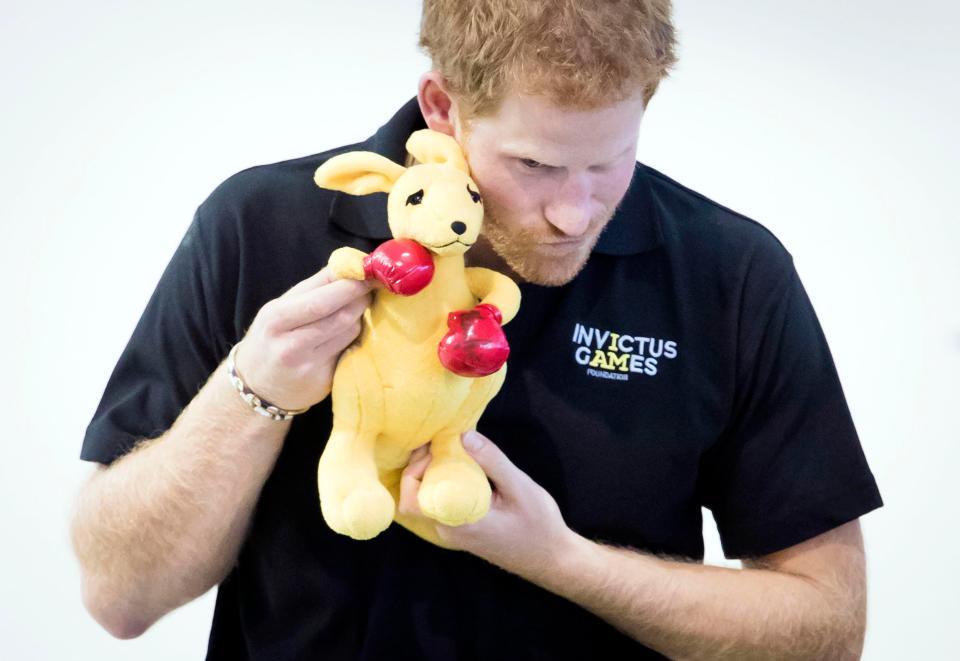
519, 154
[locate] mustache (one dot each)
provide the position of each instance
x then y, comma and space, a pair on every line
530, 235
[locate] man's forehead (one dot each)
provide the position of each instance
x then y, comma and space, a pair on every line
525, 125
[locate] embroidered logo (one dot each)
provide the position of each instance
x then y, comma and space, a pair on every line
609, 355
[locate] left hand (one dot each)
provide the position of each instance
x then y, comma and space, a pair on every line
523, 532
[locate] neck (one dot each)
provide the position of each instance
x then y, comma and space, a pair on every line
446, 267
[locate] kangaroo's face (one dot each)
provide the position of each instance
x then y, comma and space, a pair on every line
435, 202
438, 206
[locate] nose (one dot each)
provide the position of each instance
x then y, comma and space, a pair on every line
458, 227
572, 207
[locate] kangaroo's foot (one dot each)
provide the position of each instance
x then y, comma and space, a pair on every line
454, 492
362, 511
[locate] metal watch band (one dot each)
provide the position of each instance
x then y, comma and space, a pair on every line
256, 402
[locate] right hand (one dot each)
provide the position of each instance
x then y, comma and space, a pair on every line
289, 353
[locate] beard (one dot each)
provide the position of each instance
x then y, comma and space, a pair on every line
528, 254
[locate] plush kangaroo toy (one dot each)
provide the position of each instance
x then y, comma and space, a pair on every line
431, 353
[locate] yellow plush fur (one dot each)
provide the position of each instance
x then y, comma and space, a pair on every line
390, 392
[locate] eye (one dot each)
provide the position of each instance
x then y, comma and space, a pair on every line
416, 198
532, 164
474, 195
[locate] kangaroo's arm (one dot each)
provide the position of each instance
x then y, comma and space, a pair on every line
496, 289
347, 263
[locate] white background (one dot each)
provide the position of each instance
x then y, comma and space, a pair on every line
832, 123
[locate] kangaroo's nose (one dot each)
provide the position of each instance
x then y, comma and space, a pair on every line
458, 227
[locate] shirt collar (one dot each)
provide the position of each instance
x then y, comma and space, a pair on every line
635, 227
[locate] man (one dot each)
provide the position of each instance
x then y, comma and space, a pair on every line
665, 358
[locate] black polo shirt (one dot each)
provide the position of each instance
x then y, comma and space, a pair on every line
683, 367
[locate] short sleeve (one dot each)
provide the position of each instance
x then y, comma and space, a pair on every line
790, 465
171, 353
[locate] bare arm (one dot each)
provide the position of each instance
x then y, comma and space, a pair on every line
163, 524
805, 602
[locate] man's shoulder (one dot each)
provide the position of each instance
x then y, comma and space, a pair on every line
273, 214
707, 232
287, 182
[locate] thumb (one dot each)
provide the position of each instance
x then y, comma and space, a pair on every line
506, 477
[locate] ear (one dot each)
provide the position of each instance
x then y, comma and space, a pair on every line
429, 146
359, 173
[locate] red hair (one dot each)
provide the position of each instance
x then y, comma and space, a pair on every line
581, 55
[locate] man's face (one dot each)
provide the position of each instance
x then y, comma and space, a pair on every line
551, 179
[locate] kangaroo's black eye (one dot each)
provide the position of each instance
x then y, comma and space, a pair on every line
416, 198
474, 195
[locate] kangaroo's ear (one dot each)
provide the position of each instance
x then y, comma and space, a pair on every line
359, 173
428, 146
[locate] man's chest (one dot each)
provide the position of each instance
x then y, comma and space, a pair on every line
611, 398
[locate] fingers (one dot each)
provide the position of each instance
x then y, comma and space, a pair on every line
507, 479
333, 346
307, 306
321, 277
418, 453
410, 480
342, 324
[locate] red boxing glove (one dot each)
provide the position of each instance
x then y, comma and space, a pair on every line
402, 265
475, 344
